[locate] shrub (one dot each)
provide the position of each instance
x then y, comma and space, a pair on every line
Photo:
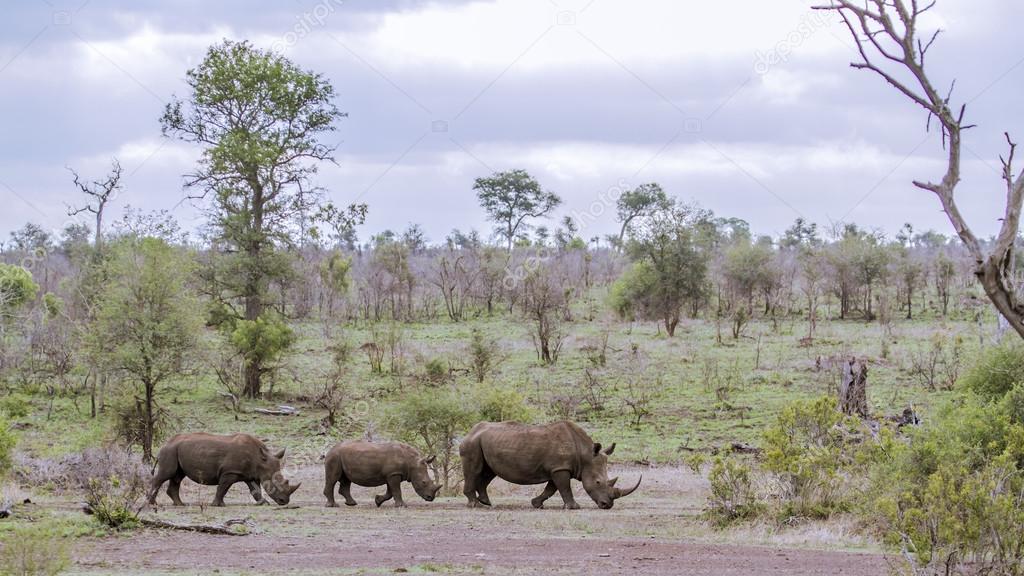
263, 340
15, 406
955, 493
7, 442
733, 495
502, 404
113, 482
432, 420
997, 370
33, 550
806, 449
436, 370
113, 501
483, 355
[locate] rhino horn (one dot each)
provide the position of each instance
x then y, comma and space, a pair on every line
620, 493
280, 454
292, 489
613, 481
608, 451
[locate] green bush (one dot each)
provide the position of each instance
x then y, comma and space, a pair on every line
15, 406
997, 370
484, 355
733, 493
7, 442
262, 341
432, 420
501, 404
955, 492
33, 550
436, 370
17, 287
806, 449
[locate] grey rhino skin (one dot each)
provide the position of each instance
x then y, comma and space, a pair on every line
553, 454
220, 461
377, 464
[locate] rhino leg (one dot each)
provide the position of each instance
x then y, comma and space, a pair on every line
382, 498
174, 490
476, 476
256, 491
166, 469
548, 492
394, 491
562, 481
345, 489
226, 482
486, 477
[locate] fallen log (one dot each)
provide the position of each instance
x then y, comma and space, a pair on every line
280, 411
225, 529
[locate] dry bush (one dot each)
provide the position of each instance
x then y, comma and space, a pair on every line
938, 366
114, 483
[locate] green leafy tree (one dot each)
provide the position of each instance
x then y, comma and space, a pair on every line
800, 234
147, 323
432, 420
17, 288
671, 267
510, 198
258, 118
637, 202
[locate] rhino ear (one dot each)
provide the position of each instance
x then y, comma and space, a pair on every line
430, 460
280, 454
608, 451
597, 448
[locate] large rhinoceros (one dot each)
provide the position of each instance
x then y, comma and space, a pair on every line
377, 464
552, 453
220, 461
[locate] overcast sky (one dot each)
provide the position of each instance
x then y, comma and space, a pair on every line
746, 107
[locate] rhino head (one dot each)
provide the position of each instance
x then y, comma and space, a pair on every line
421, 482
595, 479
274, 483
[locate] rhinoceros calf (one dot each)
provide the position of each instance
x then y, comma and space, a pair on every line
553, 454
220, 461
377, 464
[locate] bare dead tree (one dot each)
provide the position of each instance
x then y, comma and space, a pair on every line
886, 34
100, 193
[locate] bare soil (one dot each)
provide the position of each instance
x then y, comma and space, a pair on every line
654, 533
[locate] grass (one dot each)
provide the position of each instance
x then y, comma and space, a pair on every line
756, 376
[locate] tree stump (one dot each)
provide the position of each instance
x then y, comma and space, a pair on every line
853, 388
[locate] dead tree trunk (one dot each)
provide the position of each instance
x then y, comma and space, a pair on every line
853, 388
885, 33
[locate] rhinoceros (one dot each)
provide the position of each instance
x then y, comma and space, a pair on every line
377, 464
552, 453
220, 461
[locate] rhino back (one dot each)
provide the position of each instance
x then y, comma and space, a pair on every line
524, 454
205, 458
370, 463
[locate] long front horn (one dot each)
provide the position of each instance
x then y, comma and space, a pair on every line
294, 488
620, 493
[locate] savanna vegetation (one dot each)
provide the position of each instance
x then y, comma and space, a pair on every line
686, 337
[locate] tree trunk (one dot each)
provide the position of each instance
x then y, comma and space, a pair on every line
853, 389
150, 424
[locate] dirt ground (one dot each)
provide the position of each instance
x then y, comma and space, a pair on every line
656, 532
